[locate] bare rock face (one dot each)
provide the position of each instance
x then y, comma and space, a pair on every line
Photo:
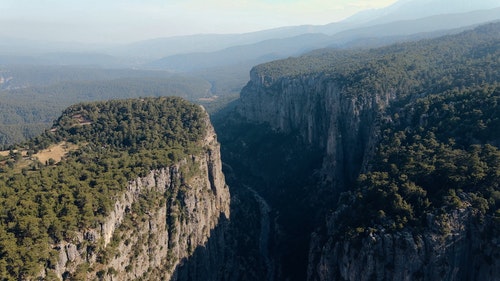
342, 127
156, 224
432, 254
316, 107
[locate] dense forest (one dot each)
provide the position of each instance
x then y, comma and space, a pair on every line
469, 58
26, 112
105, 145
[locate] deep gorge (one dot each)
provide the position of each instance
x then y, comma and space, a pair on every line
306, 131
379, 164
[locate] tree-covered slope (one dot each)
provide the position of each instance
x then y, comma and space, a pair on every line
426, 206
437, 154
106, 144
468, 58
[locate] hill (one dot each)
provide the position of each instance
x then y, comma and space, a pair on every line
277, 48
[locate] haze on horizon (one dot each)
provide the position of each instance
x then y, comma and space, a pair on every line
120, 21
124, 21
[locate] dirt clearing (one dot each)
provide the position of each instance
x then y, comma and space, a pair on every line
56, 152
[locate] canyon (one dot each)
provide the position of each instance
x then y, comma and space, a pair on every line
314, 124
378, 164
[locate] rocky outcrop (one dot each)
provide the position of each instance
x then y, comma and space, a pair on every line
156, 224
441, 252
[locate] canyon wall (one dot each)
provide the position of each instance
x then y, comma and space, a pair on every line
155, 226
316, 107
466, 250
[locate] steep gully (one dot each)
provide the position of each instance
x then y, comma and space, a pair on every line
269, 174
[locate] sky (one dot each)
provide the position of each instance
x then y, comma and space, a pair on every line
121, 21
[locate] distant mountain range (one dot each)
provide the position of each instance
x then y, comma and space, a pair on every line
403, 10
385, 33
404, 18
411, 9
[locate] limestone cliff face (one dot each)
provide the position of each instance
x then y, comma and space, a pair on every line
157, 223
341, 126
316, 107
411, 255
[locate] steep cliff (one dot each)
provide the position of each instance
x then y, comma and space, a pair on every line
312, 142
186, 202
390, 132
467, 251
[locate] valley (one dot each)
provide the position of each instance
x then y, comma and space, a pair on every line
367, 149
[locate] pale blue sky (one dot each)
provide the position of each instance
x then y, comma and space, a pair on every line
131, 20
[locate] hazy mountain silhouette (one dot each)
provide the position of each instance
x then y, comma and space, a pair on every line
385, 33
195, 52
